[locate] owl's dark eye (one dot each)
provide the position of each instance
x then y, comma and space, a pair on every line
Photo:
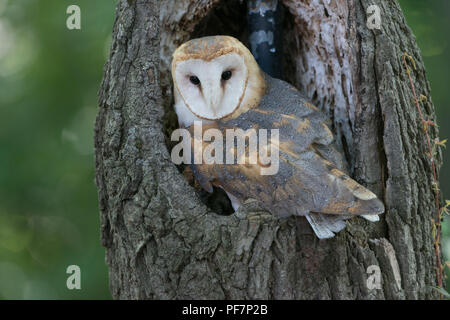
226, 75
194, 80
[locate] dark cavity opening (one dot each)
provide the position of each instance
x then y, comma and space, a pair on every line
230, 18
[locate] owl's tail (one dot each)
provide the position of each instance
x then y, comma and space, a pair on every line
350, 199
325, 226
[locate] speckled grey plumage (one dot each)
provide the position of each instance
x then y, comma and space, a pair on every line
304, 184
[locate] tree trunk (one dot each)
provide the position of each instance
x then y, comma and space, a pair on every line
163, 242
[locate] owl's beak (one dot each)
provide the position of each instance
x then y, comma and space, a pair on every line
213, 97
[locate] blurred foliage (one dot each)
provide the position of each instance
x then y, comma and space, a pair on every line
49, 78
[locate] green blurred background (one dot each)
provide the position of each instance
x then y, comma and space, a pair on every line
49, 78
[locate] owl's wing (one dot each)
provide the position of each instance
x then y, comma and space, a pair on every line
311, 178
305, 183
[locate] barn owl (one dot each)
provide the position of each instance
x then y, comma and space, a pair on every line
218, 83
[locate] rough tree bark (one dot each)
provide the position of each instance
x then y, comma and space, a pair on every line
162, 242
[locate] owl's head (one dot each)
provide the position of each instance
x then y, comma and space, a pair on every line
216, 76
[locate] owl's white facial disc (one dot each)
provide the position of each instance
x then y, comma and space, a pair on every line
212, 89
